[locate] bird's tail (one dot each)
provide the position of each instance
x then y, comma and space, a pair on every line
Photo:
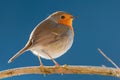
20, 52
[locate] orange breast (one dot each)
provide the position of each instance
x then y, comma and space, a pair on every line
67, 23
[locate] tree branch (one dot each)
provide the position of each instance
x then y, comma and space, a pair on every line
106, 71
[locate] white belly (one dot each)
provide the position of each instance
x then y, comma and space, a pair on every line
55, 50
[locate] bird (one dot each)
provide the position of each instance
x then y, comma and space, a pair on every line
51, 38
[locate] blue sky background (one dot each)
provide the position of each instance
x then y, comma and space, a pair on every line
97, 26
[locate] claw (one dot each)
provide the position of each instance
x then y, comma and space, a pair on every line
41, 65
57, 65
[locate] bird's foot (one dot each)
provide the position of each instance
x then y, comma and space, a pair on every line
41, 65
57, 65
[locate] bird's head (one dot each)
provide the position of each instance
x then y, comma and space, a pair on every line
62, 18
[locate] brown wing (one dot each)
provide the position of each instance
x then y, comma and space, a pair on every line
47, 32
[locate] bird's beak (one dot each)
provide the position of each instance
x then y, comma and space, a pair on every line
74, 17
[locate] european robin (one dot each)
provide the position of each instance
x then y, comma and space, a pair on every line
51, 38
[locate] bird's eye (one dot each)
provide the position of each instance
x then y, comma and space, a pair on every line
62, 17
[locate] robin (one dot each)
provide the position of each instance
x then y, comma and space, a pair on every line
51, 38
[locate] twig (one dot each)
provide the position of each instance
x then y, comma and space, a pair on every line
106, 71
108, 58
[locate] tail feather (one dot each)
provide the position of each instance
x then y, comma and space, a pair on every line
16, 55
20, 52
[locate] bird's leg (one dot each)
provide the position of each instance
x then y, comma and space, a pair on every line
56, 64
41, 64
